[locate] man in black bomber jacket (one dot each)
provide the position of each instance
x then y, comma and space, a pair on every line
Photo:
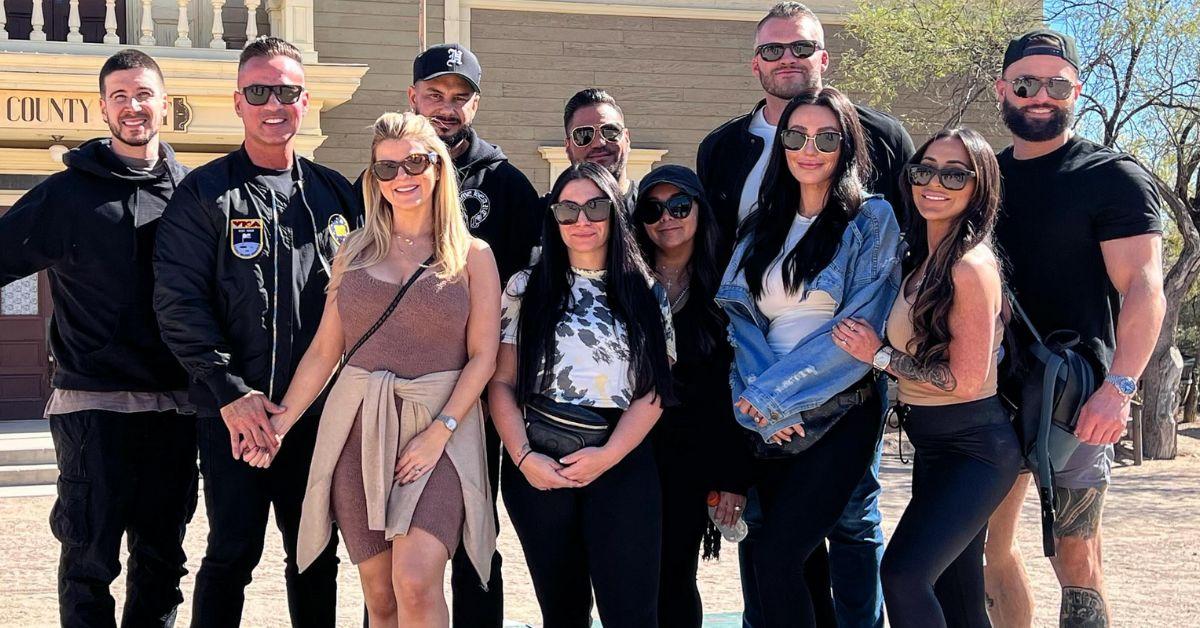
126, 451
242, 262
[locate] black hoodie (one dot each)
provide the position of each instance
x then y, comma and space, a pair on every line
93, 226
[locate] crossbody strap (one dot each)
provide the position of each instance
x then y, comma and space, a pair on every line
390, 308
1012, 300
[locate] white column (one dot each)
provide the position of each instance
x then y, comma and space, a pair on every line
73, 22
218, 29
293, 21
3, 22
38, 20
110, 23
182, 40
252, 19
147, 38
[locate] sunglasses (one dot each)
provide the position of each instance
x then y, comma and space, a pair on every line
584, 135
950, 178
258, 95
596, 210
1056, 87
773, 51
825, 141
650, 211
414, 164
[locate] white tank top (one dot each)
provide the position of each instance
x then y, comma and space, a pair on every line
792, 318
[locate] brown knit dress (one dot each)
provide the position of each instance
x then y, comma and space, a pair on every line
427, 333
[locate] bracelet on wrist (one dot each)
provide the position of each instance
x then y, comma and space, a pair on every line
523, 457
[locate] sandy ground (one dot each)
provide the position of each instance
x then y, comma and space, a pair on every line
1151, 530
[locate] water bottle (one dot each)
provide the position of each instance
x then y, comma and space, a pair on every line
733, 534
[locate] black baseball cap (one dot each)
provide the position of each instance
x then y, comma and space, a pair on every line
1041, 41
446, 59
681, 177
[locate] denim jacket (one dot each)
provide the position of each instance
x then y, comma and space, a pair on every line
863, 279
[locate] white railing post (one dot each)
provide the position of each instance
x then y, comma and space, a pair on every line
110, 23
182, 41
3, 22
73, 22
252, 19
38, 20
147, 38
218, 28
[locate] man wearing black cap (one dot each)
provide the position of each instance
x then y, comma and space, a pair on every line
501, 208
1081, 229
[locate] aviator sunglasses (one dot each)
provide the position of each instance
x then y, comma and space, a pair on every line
584, 135
950, 178
650, 211
1056, 87
258, 95
596, 210
414, 164
801, 49
825, 141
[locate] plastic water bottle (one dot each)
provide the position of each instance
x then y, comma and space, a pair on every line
733, 534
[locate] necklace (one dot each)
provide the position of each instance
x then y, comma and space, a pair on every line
411, 242
670, 276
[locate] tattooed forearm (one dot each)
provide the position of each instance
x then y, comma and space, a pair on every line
1082, 608
1078, 511
937, 374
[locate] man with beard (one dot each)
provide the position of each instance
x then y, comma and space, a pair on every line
242, 264
1081, 229
596, 132
790, 59
501, 208
126, 455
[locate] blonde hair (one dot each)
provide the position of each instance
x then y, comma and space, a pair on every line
451, 240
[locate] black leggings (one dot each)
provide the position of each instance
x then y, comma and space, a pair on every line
802, 498
966, 461
605, 536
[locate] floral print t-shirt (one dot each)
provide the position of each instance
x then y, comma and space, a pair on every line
591, 357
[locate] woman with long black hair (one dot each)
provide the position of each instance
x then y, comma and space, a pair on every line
817, 250
697, 443
582, 375
944, 334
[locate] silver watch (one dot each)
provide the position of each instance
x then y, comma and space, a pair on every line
1127, 386
883, 358
450, 422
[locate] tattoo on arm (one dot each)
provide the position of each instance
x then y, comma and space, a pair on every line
937, 374
1079, 512
1082, 608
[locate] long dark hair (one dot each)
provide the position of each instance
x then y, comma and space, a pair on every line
931, 307
710, 252
779, 200
627, 286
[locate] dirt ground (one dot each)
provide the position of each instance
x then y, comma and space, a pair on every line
1151, 535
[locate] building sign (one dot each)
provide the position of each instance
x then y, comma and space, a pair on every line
29, 110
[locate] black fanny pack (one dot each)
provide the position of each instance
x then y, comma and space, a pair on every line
816, 422
557, 429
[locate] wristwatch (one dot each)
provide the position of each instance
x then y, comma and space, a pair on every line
450, 422
1127, 386
883, 358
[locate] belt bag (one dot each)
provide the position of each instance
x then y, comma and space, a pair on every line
816, 422
557, 429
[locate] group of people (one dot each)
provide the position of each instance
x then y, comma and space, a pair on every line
615, 359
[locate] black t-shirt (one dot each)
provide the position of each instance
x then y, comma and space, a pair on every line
890, 147
1055, 212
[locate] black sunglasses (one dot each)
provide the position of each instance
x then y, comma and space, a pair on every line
596, 210
258, 95
650, 211
773, 51
1056, 87
950, 178
414, 164
585, 135
825, 141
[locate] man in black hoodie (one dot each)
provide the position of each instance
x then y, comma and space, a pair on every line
502, 209
242, 262
126, 454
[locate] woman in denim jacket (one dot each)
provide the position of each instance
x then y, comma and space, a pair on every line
817, 250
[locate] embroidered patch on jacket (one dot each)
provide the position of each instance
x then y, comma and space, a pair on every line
478, 207
246, 237
338, 229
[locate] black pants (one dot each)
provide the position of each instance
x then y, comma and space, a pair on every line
802, 497
473, 607
132, 474
603, 536
238, 499
683, 473
966, 460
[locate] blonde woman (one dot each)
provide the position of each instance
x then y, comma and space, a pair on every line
399, 460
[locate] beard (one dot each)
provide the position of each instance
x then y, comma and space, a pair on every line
1036, 130
121, 134
787, 89
453, 139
